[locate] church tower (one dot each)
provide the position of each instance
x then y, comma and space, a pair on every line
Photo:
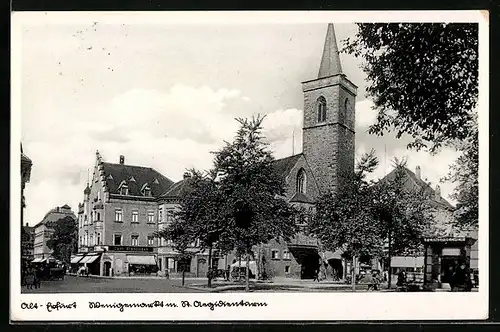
328, 128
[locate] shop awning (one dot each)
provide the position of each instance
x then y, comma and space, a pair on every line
76, 259
252, 265
141, 260
89, 259
401, 261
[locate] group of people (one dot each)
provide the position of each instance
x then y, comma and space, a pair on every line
458, 276
32, 277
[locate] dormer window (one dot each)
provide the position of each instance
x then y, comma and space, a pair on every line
146, 190
321, 109
301, 181
123, 188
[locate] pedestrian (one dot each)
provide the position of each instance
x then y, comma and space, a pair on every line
228, 272
30, 279
375, 280
316, 274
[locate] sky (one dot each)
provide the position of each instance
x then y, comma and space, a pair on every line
166, 96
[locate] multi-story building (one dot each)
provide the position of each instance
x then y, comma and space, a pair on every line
118, 219
443, 222
26, 165
44, 230
27, 243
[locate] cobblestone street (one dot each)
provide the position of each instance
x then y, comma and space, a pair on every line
72, 284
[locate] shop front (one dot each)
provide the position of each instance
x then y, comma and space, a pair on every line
91, 263
128, 261
443, 257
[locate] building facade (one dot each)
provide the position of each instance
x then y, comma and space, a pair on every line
443, 223
27, 243
44, 230
118, 218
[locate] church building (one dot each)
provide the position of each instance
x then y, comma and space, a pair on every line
125, 204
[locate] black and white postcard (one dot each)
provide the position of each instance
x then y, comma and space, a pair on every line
235, 166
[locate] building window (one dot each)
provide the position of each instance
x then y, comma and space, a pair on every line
321, 109
151, 216
286, 254
98, 195
170, 215
160, 214
287, 269
81, 240
99, 239
275, 254
124, 190
118, 215
91, 239
98, 218
151, 240
301, 181
117, 240
146, 191
135, 216
135, 240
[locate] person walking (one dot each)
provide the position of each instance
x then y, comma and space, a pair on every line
316, 274
228, 272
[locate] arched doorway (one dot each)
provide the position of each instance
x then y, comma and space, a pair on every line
107, 269
337, 268
202, 267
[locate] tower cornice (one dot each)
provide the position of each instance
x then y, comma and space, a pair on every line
320, 83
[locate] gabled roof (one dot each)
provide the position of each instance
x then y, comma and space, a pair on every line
176, 190
421, 184
301, 198
142, 175
283, 166
55, 214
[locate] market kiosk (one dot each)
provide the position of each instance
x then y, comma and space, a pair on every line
442, 254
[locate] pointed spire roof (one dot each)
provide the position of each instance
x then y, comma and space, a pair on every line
330, 62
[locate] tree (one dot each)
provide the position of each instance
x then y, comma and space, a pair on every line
345, 219
252, 207
64, 241
423, 78
464, 172
404, 214
198, 218
182, 238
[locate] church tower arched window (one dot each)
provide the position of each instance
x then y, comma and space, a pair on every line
321, 109
301, 181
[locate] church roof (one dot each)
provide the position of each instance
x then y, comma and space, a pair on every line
142, 175
283, 166
301, 198
330, 61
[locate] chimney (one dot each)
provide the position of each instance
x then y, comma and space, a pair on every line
122, 159
186, 175
417, 173
438, 192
